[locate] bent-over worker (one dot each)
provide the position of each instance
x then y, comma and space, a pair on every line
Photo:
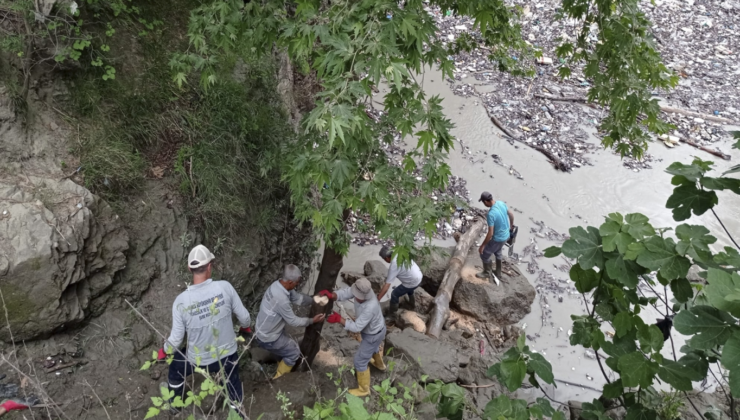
369, 323
499, 230
204, 311
275, 312
408, 274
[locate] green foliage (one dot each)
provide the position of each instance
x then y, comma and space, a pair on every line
624, 250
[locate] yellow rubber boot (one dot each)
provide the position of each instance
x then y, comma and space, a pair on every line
363, 384
282, 370
377, 361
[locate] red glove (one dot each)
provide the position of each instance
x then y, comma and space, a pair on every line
161, 354
246, 330
326, 293
334, 318
11, 405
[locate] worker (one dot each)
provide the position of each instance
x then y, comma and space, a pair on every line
499, 230
275, 312
204, 312
408, 274
369, 323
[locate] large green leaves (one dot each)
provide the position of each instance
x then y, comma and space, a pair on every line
502, 407
585, 280
710, 326
731, 360
723, 290
660, 254
585, 246
636, 370
539, 365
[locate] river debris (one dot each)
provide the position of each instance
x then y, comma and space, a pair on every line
698, 40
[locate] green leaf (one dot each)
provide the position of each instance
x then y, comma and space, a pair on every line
637, 225
623, 271
584, 245
541, 367
694, 242
623, 323
687, 198
722, 285
506, 408
689, 173
552, 252
614, 389
695, 367
146, 365
636, 370
673, 373
640, 412
710, 327
650, 337
731, 361
660, 254
152, 412
585, 280
513, 373
682, 290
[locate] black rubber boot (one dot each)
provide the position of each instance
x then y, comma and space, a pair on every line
392, 310
412, 301
486, 273
498, 270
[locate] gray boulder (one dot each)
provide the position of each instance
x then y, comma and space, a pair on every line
410, 319
435, 358
503, 305
423, 301
60, 248
433, 268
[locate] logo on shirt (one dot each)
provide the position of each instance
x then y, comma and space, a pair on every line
205, 308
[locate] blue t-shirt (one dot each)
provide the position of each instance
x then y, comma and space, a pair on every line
498, 218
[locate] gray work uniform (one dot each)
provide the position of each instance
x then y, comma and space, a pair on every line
200, 310
275, 312
369, 323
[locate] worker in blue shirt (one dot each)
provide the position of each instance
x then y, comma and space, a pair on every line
500, 221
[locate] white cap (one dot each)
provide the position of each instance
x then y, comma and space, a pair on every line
199, 256
362, 289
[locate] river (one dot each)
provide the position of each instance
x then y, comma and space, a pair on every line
563, 200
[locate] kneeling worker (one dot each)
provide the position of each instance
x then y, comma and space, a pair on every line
409, 275
204, 311
369, 323
275, 311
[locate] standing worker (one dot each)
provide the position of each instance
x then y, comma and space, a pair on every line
275, 311
499, 227
204, 311
369, 323
408, 274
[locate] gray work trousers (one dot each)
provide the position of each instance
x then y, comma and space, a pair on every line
368, 346
492, 249
284, 347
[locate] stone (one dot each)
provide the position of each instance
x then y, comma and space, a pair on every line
64, 247
693, 275
575, 408
435, 358
433, 268
410, 319
423, 300
503, 305
375, 268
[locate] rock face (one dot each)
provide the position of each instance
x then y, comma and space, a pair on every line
436, 358
410, 319
433, 268
60, 247
504, 305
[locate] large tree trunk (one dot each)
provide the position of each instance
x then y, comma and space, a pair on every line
441, 310
331, 265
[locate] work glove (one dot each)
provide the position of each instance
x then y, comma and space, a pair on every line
161, 354
334, 318
11, 405
327, 294
246, 333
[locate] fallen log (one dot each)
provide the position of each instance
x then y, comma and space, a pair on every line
441, 305
556, 162
663, 108
706, 149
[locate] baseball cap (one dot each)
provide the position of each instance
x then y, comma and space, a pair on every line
485, 196
362, 289
199, 256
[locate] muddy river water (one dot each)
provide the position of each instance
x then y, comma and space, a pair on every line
563, 200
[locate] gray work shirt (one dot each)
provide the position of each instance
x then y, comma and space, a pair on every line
369, 318
275, 311
409, 275
204, 311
